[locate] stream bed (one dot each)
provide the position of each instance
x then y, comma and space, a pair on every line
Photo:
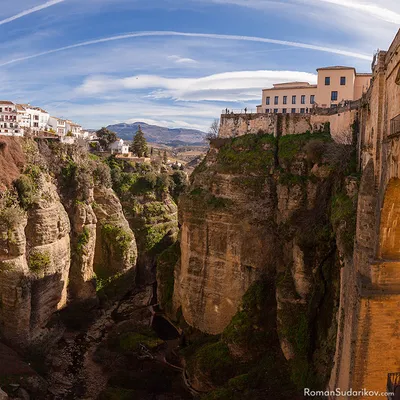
129, 351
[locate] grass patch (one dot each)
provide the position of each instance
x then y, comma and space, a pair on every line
291, 145
247, 154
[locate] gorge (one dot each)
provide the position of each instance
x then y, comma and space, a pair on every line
274, 269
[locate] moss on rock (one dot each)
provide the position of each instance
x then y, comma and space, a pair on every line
166, 263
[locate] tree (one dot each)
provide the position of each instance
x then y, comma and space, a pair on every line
139, 144
165, 157
106, 137
213, 131
151, 151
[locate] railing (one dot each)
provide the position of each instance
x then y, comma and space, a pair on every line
289, 110
239, 111
395, 126
393, 383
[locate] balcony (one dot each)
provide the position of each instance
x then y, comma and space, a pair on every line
395, 126
393, 386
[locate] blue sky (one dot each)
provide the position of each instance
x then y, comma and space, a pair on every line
177, 63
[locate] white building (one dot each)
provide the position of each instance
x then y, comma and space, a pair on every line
9, 119
32, 117
118, 147
73, 128
57, 125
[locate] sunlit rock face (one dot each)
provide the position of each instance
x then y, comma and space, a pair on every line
57, 236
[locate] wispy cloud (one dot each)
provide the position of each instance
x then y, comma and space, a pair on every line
30, 11
195, 35
229, 86
373, 10
182, 60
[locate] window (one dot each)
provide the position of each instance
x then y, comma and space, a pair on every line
343, 81
276, 99
334, 96
303, 99
267, 110
284, 99
283, 110
327, 80
275, 110
302, 110
293, 111
36, 117
267, 101
312, 99
293, 99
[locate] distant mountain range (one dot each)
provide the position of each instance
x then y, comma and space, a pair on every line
159, 134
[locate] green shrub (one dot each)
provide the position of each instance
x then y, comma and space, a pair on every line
246, 328
215, 361
39, 261
83, 240
102, 175
27, 190
344, 215
118, 237
291, 145
247, 154
131, 341
11, 216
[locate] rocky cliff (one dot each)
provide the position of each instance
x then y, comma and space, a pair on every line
265, 213
61, 226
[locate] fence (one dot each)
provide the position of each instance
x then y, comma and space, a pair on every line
239, 111
395, 126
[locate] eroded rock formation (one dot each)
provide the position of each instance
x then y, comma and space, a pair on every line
266, 210
60, 228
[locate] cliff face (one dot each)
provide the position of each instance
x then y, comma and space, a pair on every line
145, 194
60, 226
227, 237
266, 210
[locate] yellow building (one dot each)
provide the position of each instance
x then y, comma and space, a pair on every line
335, 85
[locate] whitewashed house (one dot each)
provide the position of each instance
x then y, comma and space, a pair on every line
9, 125
33, 117
73, 128
119, 147
57, 125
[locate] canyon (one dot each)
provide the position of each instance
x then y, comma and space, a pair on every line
273, 269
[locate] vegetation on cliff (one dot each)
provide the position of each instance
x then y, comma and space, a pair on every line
302, 183
166, 263
146, 192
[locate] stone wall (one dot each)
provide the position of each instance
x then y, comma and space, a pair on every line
233, 125
368, 339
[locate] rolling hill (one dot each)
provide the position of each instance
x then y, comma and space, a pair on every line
159, 134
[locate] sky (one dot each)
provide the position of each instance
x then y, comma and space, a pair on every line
177, 63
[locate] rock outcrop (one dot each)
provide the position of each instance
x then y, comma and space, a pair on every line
35, 262
61, 227
261, 209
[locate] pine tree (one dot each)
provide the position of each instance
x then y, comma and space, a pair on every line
165, 157
139, 145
